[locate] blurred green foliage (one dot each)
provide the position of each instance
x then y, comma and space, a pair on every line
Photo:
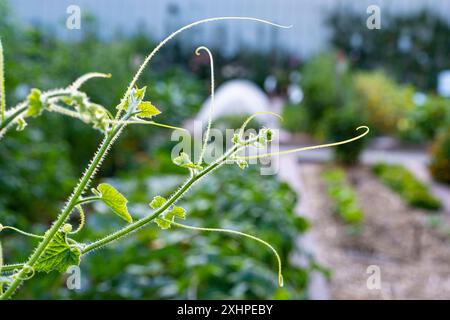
337, 100
426, 121
34, 179
40, 166
344, 198
330, 109
413, 48
361, 83
326, 86
54, 150
341, 125
384, 101
410, 189
178, 263
294, 118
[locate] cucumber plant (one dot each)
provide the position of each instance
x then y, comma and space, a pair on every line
58, 248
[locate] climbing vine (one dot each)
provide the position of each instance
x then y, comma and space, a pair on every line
58, 248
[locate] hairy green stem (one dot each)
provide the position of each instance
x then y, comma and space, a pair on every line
11, 267
73, 200
174, 198
21, 108
87, 200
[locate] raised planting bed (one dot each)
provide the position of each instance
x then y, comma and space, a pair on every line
409, 188
344, 198
409, 248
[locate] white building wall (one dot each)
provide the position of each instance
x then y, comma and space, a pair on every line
308, 35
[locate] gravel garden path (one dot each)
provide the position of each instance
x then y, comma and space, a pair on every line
413, 258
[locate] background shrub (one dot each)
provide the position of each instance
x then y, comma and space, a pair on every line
384, 101
325, 82
426, 120
440, 158
340, 124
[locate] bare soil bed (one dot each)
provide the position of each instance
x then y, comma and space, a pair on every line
413, 257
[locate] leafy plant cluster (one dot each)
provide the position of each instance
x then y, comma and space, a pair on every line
344, 197
409, 188
400, 110
384, 101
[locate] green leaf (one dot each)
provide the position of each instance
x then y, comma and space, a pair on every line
176, 212
157, 202
140, 93
147, 110
134, 99
163, 224
35, 105
301, 224
184, 161
58, 255
115, 200
21, 124
170, 216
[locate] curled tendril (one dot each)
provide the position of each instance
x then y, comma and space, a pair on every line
212, 104
172, 35
27, 269
82, 220
310, 147
277, 256
250, 118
